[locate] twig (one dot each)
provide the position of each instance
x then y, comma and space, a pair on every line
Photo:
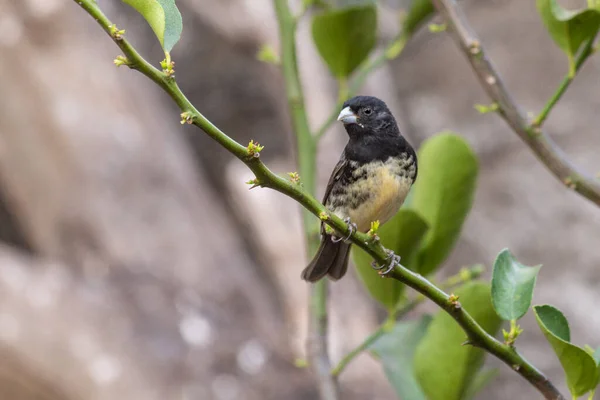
585, 53
402, 309
476, 334
538, 141
266, 178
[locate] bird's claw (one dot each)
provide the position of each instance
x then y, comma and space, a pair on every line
351, 227
394, 260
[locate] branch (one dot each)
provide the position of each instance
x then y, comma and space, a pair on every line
266, 178
538, 141
307, 150
403, 308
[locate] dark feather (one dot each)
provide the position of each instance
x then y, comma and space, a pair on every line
331, 258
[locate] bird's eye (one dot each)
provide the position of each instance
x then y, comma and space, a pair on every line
367, 111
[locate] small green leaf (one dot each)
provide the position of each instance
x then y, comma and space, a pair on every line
445, 369
569, 28
481, 380
164, 19
268, 55
443, 194
512, 286
485, 109
580, 368
396, 351
596, 356
420, 11
402, 234
345, 37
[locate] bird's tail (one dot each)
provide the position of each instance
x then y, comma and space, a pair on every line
331, 259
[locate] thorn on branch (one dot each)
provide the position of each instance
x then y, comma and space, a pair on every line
187, 118
254, 182
116, 33
254, 149
121, 60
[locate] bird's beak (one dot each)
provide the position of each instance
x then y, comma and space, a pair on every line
347, 116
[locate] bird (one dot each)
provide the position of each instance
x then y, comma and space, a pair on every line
369, 183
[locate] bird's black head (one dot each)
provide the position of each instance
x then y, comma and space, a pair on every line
367, 115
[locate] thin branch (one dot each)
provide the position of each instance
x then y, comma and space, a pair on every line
403, 308
585, 53
476, 334
266, 178
317, 347
538, 141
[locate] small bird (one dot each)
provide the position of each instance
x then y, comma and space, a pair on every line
369, 183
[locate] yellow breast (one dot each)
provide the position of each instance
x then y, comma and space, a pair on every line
387, 193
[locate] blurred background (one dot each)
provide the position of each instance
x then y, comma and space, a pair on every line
135, 263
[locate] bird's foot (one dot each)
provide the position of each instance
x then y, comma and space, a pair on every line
351, 227
394, 260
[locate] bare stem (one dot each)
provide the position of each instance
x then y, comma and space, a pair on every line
538, 141
266, 178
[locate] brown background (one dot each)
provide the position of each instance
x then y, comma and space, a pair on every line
137, 265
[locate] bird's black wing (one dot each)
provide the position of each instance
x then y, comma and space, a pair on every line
336, 175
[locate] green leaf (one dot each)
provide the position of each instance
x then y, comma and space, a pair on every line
402, 234
164, 19
268, 55
446, 370
443, 194
596, 356
345, 37
580, 368
481, 380
396, 351
419, 12
512, 286
569, 28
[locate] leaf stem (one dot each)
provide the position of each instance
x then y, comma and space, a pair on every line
266, 178
566, 82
